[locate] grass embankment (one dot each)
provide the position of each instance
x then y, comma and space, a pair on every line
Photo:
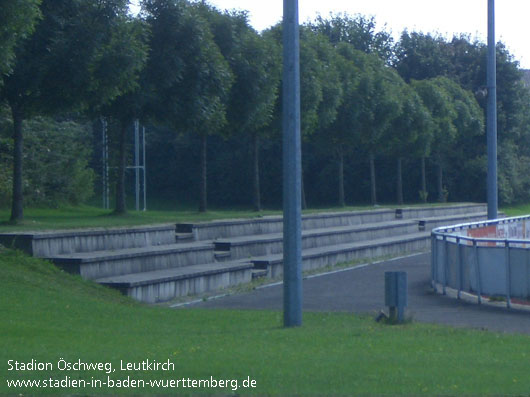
48, 315
518, 210
87, 216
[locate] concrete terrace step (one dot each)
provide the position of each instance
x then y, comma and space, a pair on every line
184, 237
94, 265
274, 224
428, 224
155, 263
266, 244
319, 257
163, 285
435, 211
46, 244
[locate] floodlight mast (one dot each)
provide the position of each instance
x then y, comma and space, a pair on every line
292, 168
491, 122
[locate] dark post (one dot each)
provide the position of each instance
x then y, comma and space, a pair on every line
292, 168
492, 115
396, 295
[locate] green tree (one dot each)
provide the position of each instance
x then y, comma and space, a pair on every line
420, 56
378, 95
329, 86
189, 74
130, 34
256, 64
320, 85
422, 146
17, 20
359, 31
62, 66
412, 121
340, 137
443, 113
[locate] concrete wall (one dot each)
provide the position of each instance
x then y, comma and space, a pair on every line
427, 212
273, 244
322, 258
160, 292
274, 224
49, 244
119, 264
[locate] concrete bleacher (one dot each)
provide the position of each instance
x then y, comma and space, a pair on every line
47, 244
160, 262
272, 243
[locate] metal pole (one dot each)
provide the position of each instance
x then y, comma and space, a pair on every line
137, 162
492, 115
292, 168
508, 275
107, 190
145, 176
459, 263
103, 165
477, 272
446, 265
434, 270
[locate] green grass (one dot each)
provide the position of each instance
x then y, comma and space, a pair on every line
48, 315
518, 210
87, 216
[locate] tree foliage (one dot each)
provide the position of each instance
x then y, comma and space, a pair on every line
57, 156
65, 65
17, 21
209, 85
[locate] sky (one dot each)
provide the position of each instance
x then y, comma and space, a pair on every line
446, 17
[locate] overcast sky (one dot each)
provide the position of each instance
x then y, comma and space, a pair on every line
442, 16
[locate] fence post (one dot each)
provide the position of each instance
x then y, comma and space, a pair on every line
477, 272
446, 264
459, 264
434, 258
508, 274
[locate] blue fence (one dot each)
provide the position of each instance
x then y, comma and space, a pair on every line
490, 258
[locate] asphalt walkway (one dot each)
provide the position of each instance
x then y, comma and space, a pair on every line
361, 290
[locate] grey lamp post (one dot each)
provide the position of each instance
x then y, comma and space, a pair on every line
292, 168
491, 121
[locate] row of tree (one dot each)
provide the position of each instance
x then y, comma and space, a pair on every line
193, 69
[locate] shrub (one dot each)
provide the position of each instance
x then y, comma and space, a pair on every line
56, 155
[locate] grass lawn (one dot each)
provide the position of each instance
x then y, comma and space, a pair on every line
48, 315
518, 210
87, 216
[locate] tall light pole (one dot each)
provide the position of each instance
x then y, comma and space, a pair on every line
491, 121
292, 168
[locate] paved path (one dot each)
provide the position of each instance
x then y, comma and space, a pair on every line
361, 290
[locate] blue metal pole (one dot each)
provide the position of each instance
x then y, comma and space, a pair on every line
292, 168
492, 115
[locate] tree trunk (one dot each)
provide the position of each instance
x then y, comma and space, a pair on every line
121, 205
17, 208
342, 201
304, 202
372, 180
203, 204
399, 181
441, 195
257, 192
423, 180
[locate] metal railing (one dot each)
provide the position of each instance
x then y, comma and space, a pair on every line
492, 266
